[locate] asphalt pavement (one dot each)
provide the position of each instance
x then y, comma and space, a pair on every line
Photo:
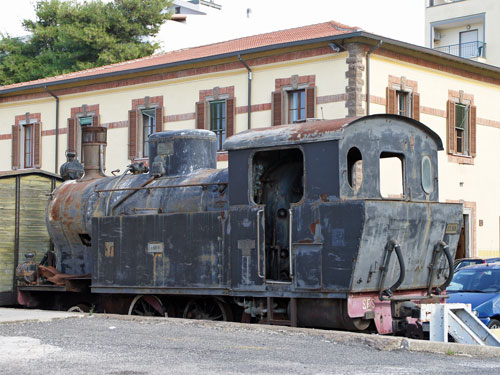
34, 341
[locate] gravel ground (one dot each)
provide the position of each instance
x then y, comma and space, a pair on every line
120, 346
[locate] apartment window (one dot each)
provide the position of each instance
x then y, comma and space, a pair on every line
404, 103
148, 128
402, 98
28, 146
81, 117
294, 100
461, 129
216, 112
296, 106
145, 118
218, 121
26, 140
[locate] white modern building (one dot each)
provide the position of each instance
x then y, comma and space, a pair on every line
464, 28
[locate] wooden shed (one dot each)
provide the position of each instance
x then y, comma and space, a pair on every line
23, 200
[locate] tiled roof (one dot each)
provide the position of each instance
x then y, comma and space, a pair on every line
303, 33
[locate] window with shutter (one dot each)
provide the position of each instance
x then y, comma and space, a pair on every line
461, 128
402, 98
26, 141
216, 111
145, 118
294, 100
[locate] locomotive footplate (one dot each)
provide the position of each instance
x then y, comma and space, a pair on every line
403, 307
70, 285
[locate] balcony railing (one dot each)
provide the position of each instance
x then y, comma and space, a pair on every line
467, 50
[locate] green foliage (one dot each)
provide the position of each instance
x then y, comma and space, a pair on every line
72, 35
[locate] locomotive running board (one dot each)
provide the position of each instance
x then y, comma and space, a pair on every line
457, 320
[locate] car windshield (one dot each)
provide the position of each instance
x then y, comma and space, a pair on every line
468, 262
475, 280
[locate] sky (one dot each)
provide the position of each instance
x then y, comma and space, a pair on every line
397, 19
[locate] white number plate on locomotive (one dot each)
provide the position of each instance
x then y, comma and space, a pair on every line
155, 247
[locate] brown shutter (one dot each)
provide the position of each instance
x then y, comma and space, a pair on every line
16, 135
277, 108
391, 101
229, 117
95, 120
37, 145
450, 126
200, 115
311, 102
472, 122
416, 106
132, 134
159, 119
72, 135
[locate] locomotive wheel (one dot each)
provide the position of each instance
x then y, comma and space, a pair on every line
208, 309
146, 306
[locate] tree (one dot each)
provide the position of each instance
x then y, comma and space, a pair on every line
71, 35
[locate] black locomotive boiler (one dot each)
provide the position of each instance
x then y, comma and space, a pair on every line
332, 224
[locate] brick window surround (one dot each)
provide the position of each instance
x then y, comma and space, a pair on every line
135, 124
18, 141
74, 128
203, 108
280, 106
408, 88
469, 153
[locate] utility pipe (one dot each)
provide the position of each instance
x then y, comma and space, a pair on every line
368, 75
249, 109
57, 129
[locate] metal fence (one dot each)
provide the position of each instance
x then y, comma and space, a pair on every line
467, 50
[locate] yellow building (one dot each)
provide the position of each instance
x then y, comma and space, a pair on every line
323, 71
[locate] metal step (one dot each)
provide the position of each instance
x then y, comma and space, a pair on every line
458, 321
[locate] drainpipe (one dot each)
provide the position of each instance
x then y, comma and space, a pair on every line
57, 128
249, 109
368, 75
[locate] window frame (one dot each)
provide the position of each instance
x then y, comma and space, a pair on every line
22, 158
28, 143
301, 102
469, 144
214, 119
149, 115
138, 144
397, 87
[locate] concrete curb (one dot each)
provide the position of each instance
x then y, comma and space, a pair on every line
9, 315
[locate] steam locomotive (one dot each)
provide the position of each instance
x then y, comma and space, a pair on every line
330, 224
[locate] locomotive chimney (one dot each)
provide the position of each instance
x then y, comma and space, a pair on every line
94, 151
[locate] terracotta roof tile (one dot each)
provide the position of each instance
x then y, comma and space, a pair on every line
315, 31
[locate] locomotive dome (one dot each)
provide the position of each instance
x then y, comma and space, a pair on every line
180, 152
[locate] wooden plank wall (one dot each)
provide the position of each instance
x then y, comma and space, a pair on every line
7, 232
33, 235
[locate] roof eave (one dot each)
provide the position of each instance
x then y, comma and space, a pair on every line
352, 35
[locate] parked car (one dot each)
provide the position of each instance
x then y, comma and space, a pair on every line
492, 260
464, 262
478, 285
